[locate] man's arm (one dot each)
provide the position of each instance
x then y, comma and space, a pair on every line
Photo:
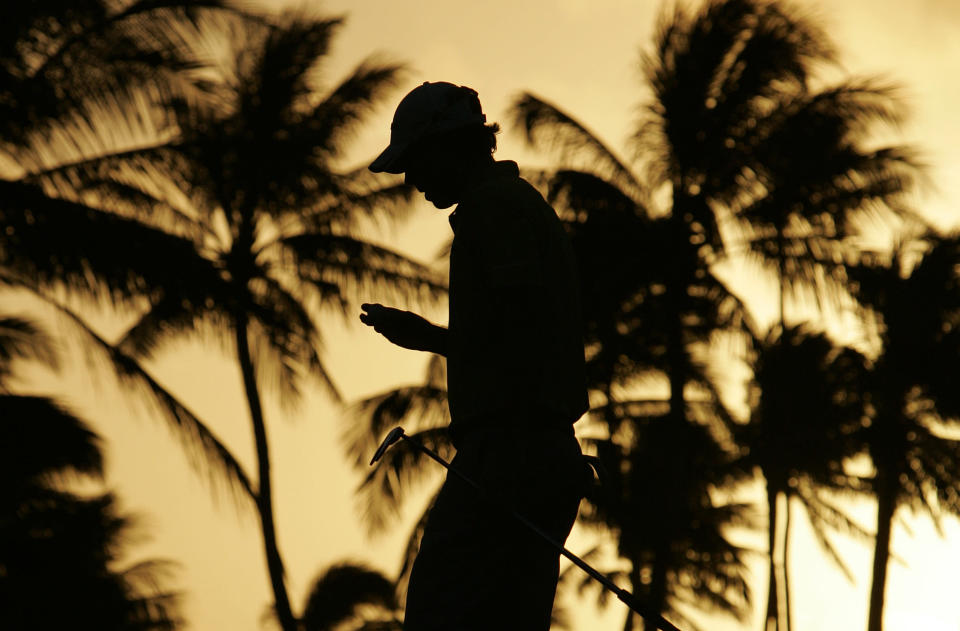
405, 329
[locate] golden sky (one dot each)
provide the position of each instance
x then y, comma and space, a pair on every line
582, 55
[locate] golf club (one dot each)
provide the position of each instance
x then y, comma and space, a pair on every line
627, 598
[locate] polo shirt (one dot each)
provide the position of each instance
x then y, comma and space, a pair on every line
507, 241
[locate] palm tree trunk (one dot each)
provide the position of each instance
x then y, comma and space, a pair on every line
787, 617
656, 598
635, 585
675, 299
777, 582
658, 585
781, 280
771, 620
264, 494
886, 506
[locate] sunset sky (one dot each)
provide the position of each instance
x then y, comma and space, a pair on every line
582, 55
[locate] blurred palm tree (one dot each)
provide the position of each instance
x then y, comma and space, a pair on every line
673, 533
807, 200
422, 410
275, 231
228, 216
831, 182
912, 395
746, 150
83, 83
59, 550
803, 202
806, 409
349, 596
352, 596
68, 66
677, 544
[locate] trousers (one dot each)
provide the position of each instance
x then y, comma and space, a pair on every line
479, 568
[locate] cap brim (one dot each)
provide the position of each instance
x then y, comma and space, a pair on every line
388, 161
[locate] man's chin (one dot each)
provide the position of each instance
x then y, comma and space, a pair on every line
440, 202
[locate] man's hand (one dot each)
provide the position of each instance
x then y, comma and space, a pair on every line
404, 328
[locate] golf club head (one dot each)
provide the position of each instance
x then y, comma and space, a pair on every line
395, 434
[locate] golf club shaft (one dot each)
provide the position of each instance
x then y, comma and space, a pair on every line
623, 595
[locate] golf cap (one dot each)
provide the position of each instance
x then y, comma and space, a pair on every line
428, 109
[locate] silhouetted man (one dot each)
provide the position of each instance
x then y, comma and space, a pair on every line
515, 374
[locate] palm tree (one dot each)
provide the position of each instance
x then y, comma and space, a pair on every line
223, 212
139, 223
269, 233
422, 410
912, 389
352, 594
809, 196
620, 248
59, 549
730, 88
677, 546
806, 410
66, 66
81, 82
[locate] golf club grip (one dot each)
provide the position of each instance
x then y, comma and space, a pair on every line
623, 595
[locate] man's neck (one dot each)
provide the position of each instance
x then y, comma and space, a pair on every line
477, 174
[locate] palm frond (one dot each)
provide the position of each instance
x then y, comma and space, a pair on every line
582, 197
152, 606
287, 343
422, 409
208, 456
359, 267
142, 183
41, 438
384, 489
823, 514
23, 339
341, 590
421, 406
713, 68
281, 71
335, 118
354, 196
196, 310
55, 243
546, 126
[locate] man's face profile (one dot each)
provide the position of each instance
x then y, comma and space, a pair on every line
432, 170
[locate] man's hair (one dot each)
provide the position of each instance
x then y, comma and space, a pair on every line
479, 141
485, 137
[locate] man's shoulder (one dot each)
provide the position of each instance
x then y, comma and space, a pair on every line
506, 192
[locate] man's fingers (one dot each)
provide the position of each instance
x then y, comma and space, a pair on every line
384, 320
372, 311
